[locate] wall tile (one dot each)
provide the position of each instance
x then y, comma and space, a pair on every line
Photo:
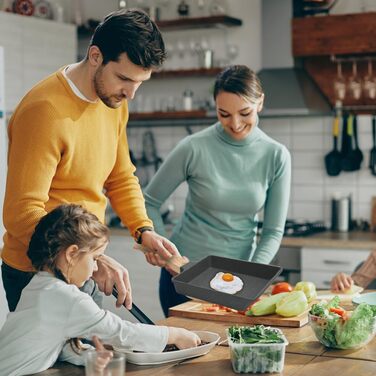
309, 140
311, 211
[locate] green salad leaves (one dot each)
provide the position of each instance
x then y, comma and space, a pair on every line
256, 349
349, 331
254, 334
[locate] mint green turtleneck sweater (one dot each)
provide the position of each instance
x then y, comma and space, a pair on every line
229, 182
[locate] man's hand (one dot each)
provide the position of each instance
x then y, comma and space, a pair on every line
160, 249
111, 273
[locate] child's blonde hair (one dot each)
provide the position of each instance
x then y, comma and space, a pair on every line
64, 226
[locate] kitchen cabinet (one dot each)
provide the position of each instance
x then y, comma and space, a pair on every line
349, 37
319, 265
289, 259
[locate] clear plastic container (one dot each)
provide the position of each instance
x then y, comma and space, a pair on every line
258, 357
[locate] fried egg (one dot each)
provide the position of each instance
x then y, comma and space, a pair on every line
226, 282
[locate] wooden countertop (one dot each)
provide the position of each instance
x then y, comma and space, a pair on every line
328, 239
305, 356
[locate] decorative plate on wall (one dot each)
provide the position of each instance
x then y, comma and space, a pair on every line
43, 9
24, 7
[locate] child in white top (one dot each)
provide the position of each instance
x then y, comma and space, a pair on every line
53, 313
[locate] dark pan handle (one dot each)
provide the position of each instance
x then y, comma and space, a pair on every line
187, 266
135, 311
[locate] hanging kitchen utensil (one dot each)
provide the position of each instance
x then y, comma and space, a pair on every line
357, 153
333, 160
348, 160
372, 159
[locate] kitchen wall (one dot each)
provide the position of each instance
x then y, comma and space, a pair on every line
308, 140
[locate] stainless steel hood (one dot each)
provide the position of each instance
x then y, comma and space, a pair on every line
291, 92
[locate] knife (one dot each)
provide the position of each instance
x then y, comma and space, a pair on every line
135, 311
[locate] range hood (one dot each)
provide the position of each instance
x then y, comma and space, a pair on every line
291, 92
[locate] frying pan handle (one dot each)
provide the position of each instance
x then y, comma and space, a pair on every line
187, 266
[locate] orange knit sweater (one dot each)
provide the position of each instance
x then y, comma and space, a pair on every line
64, 149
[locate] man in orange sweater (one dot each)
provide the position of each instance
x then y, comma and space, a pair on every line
67, 143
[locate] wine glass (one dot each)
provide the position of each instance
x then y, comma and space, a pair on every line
339, 83
232, 51
369, 83
355, 83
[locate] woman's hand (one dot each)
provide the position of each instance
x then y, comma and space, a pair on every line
182, 338
109, 274
341, 282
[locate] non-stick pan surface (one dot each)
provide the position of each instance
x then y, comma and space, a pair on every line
195, 280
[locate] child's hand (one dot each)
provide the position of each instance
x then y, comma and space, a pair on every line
182, 338
105, 355
341, 282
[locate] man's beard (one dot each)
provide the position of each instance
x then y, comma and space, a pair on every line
108, 100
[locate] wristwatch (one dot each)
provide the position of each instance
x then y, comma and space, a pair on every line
140, 231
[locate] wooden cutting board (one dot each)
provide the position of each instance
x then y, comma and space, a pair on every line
194, 309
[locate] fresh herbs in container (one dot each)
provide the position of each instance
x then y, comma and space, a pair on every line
256, 349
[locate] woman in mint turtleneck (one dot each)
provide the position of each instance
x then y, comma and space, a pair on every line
234, 171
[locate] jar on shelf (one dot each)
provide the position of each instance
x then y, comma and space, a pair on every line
188, 100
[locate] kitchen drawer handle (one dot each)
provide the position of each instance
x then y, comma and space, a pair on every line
334, 262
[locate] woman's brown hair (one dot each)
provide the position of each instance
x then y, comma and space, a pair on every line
240, 80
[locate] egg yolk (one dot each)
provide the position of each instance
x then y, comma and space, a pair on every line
228, 277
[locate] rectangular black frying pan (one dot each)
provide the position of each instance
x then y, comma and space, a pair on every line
194, 281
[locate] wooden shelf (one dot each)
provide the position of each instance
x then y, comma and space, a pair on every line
199, 22
194, 72
158, 115
339, 35
183, 23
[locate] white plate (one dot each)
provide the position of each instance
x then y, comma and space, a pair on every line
355, 291
143, 359
369, 298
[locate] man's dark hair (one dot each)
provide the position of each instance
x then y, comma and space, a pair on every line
133, 32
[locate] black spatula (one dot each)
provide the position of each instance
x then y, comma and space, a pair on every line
348, 156
333, 160
357, 153
372, 157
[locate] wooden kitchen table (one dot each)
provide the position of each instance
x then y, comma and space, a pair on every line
305, 356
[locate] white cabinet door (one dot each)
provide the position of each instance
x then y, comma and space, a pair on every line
321, 265
335, 260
